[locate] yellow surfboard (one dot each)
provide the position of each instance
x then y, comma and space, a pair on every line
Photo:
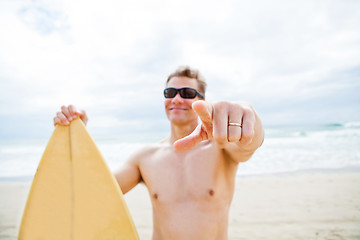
74, 196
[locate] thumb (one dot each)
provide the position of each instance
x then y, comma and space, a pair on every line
191, 140
83, 116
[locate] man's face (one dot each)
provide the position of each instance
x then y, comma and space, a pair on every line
179, 110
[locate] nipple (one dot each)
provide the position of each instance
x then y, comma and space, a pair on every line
211, 192
155, 196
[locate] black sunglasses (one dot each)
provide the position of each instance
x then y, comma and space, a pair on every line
184, 92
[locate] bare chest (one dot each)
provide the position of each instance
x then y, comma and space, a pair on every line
199, 175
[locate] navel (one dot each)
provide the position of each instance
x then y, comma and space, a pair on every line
155, 196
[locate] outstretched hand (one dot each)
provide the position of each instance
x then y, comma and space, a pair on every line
215, 119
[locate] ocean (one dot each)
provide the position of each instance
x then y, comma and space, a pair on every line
285, 150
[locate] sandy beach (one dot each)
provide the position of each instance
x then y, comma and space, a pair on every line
304, 205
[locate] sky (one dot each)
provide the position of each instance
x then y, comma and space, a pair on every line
297, 62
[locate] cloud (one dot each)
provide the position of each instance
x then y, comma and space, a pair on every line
43, 20
113, 58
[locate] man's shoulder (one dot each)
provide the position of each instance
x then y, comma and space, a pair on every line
150, 149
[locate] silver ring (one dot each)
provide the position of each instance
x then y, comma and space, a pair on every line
235, 124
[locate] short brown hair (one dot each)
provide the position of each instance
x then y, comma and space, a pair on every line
186, 71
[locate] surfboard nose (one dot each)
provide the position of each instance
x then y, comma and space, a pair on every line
74, 195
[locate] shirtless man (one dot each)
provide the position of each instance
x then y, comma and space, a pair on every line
191, 174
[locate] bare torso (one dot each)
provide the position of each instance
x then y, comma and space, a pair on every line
191, 191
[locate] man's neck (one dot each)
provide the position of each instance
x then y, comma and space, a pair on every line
180, 131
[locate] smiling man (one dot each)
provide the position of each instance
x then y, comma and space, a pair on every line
191, 174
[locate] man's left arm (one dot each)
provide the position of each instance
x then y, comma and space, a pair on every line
235, 127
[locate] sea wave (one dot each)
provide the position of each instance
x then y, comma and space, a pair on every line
285, 149
352, 125
325, 130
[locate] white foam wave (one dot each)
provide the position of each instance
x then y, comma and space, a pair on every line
352, 125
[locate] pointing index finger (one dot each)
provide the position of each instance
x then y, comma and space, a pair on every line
204, 110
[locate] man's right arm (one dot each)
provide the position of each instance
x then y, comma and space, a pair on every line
128, 176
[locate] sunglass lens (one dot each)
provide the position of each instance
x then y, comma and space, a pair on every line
170, 92
187, 93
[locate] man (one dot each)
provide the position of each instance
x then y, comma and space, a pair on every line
191, 174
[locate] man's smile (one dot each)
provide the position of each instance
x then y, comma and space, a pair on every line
178, 109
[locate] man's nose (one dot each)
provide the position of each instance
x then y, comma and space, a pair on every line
177, 98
